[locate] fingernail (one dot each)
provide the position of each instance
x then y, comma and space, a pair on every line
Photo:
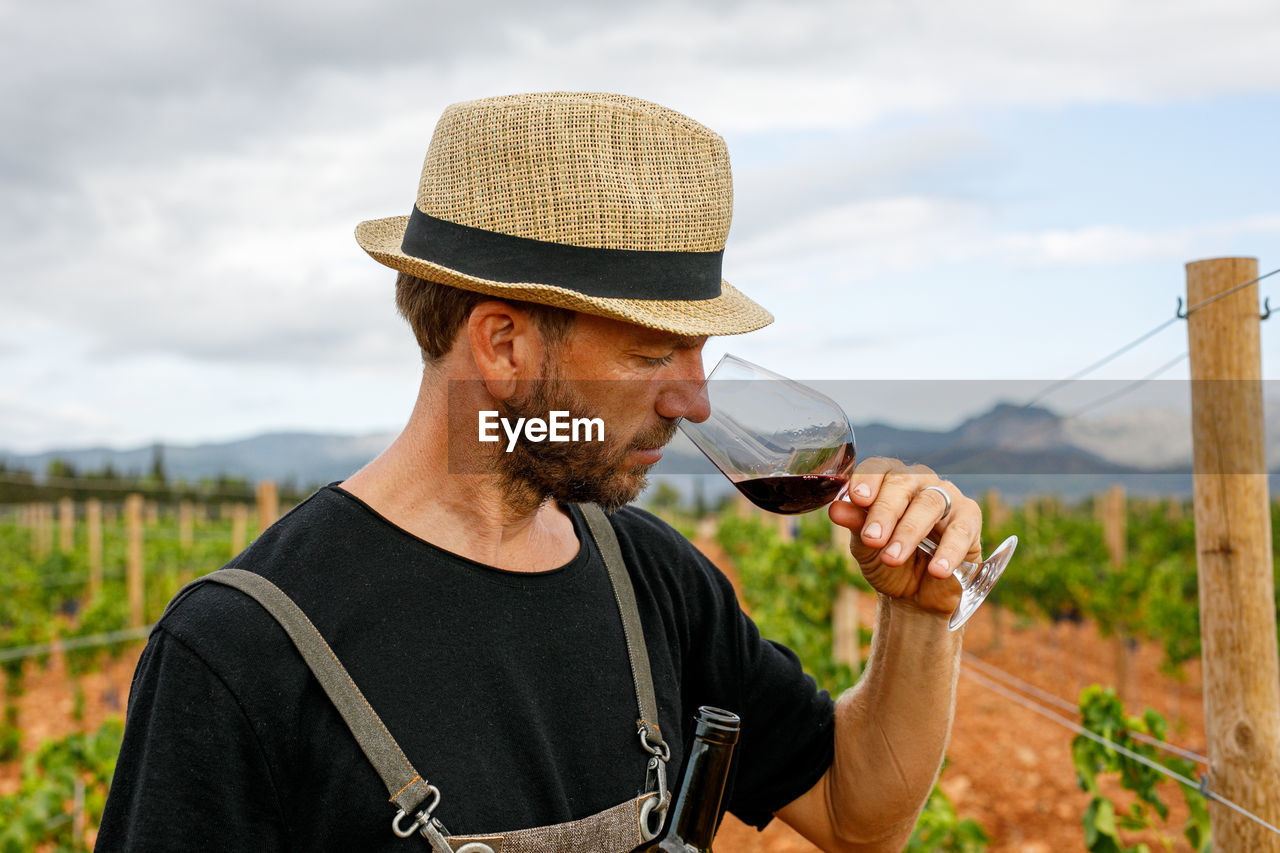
893, 550
942, 564
861, 490
872, 531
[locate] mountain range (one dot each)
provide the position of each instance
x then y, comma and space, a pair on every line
1018, 449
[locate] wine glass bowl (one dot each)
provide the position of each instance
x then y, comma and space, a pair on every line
787, 448
790, 449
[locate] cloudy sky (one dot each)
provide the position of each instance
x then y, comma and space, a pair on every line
992, 190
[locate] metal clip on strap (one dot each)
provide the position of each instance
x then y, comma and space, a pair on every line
425, 825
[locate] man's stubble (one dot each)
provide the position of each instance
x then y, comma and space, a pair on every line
572, 472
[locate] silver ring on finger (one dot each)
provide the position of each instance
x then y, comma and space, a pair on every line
946, 510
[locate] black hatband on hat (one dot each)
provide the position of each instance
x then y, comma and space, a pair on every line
603, 273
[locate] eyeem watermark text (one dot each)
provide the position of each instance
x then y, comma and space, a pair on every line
557, 427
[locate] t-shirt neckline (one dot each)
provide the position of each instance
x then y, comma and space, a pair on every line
562, 572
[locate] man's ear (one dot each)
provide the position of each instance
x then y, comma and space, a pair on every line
506, 346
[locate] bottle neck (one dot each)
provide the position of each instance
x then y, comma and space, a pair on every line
696, 813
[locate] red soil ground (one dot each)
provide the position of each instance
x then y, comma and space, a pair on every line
1010, 768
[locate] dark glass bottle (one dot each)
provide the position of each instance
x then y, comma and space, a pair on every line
696, 813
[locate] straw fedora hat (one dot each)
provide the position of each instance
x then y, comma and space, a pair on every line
598, 203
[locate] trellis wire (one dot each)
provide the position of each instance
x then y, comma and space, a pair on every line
1031, 705
69, 643
1181, 315
1054, 386
91, 484
1026, 687
1128, 389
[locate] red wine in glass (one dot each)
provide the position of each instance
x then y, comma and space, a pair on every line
790, 494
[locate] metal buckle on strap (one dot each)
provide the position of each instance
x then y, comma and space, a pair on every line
423, 823
649, 829
658, 765
660, 749
660, 754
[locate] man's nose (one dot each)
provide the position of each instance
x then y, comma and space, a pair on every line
686, 395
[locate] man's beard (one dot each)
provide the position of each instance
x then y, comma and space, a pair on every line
571, 472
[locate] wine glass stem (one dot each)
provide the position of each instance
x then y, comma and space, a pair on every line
965, 572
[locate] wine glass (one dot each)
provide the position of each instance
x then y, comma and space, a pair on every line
790, 449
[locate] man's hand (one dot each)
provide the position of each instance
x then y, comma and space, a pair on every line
889, 514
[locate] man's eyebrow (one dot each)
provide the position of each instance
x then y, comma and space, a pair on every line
686, 341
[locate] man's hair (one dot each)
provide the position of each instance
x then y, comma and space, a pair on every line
437, 311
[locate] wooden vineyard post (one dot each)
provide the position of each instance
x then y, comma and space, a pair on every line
46, 529
1112, 514
1114, 527
42, 530
786, 529
268, 504
997, 512
186, 524
840, 540
1233, 552
846, 645
66, 525
239, 522
133, 524
93, 522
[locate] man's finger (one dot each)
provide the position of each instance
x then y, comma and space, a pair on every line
924, 508
961, 537
897, 491
867, 477
852, 516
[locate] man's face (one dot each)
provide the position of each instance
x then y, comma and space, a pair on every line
637, 381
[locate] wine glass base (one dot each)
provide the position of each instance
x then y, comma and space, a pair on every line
975, 592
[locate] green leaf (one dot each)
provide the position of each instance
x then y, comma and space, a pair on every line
1100, 827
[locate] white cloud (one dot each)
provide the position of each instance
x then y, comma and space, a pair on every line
182, 179
1114, 244
905, 233
28, 428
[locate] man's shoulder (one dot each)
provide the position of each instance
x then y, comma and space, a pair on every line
218, 621
661, 557
636, 522
222, 626
654, 541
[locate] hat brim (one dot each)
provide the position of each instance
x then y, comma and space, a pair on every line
730, 313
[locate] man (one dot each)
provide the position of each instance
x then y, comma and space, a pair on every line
563, 255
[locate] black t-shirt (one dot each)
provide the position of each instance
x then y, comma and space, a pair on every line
510, 691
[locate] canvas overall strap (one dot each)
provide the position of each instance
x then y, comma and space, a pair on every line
647, 725
408, 789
